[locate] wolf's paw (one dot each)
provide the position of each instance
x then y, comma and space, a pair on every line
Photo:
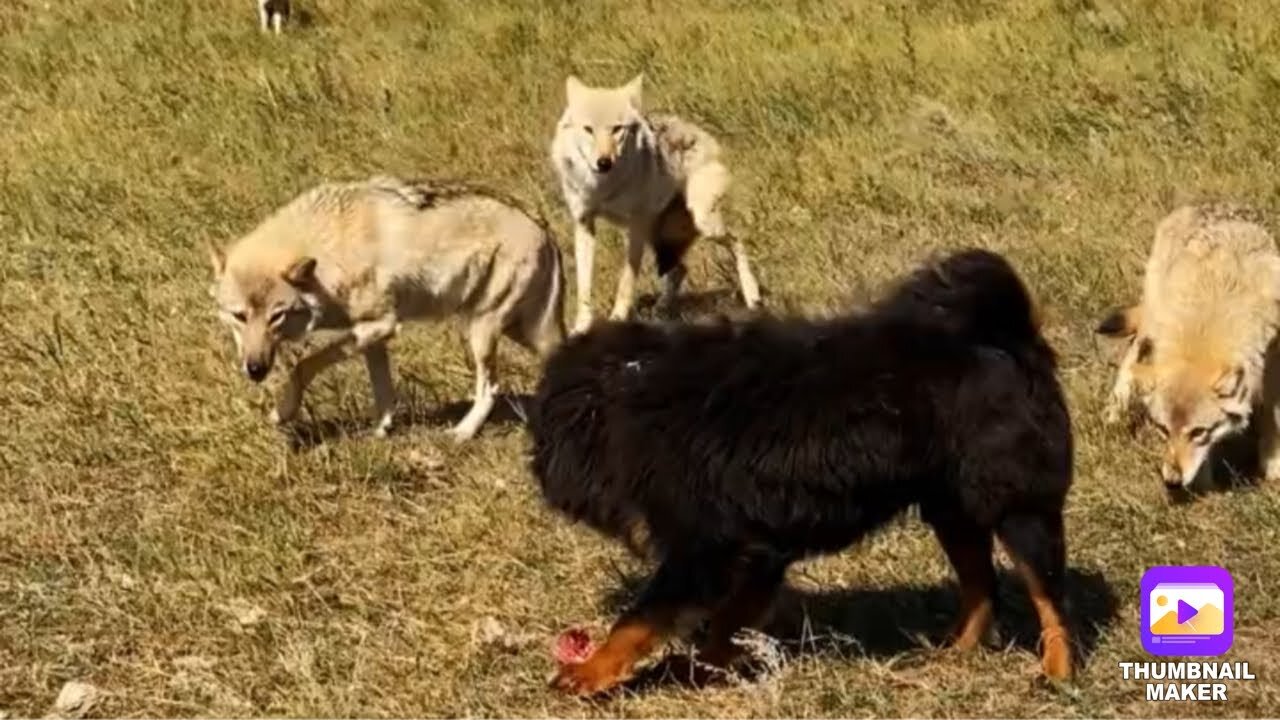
1271, 471
383, 428
461, 433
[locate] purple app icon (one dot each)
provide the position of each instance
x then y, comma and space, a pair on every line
1187, 610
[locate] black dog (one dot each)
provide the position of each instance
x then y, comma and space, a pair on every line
738, 449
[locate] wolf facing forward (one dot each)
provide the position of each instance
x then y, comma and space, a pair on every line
658, 176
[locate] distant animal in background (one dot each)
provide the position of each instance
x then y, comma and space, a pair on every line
730, 451
272, 14
658, 176
1201, 362
362, 257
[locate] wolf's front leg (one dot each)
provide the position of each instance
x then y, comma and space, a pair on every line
264, 15
482, 336
378, 362
1266, 421
638, 235
367, 333
584, 249
290, 400
1120, 404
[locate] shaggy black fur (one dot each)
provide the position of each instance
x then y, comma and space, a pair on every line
741, 448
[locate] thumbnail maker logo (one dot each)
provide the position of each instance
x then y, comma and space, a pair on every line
1187, 610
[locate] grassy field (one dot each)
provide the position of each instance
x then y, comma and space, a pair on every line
159, 540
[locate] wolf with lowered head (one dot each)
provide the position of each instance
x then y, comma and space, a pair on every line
1201, 360
361, 257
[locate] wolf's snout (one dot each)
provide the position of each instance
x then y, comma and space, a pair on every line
604, 163
256, 370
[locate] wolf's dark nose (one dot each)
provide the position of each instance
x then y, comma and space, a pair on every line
604, 164
256, 370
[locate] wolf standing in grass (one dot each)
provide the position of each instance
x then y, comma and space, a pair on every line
658, 176
361, 257
1201, 359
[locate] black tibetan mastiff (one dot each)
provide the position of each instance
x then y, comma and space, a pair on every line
737, 449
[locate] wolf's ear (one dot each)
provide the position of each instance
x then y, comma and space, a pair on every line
301, 273
573, 88
1228, 385
634, 90
218, 260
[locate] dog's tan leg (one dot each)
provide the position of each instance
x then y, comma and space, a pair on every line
264, 16
969, 550
748, 605
1037, 547
637, 236
302, 374
584, 249
482, 336
682, 585
378, 361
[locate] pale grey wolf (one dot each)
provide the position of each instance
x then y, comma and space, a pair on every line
658, 176
361, 257
272, 14
1201, 359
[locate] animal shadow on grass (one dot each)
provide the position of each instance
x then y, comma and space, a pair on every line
837, 623
414, 410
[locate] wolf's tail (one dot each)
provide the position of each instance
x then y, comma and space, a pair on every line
976, 294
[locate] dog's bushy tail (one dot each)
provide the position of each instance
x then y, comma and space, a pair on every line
977, 295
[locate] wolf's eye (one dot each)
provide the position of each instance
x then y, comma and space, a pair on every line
1235, 419
1198, 435
240, 317
618, 129
278, 317
1164, 431
587, 129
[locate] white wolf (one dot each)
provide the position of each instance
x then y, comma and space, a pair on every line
361, 257
659, 177
1202, 360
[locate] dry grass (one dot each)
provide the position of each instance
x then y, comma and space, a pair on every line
159, 540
